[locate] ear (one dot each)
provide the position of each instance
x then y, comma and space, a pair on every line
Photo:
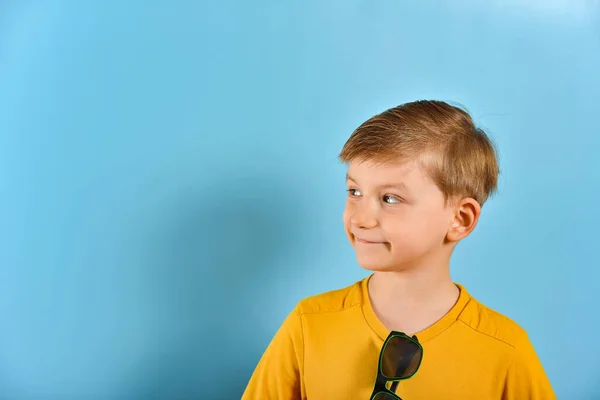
465, 218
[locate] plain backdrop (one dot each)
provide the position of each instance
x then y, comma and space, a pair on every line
170, 185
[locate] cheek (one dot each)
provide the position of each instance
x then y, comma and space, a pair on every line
417, 227
434, 230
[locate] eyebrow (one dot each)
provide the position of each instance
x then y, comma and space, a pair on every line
400, 185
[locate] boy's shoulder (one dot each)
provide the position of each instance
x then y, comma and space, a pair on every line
333, 300
489, 322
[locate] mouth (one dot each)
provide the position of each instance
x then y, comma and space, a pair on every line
359, 240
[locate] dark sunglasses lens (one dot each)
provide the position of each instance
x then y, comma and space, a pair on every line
401, 358
384, 396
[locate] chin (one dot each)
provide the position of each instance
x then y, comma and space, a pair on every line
374, 265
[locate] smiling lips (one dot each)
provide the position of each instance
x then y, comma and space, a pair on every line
367, 241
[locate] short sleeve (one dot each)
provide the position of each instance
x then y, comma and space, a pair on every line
278, 375
526, 378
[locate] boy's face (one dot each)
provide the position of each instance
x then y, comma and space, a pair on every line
395, 217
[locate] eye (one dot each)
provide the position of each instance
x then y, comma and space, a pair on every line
389, 199
353, 192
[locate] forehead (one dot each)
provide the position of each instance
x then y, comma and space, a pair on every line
372, 173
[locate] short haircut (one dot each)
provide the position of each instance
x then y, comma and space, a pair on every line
456, 155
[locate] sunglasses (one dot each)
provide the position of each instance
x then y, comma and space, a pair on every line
399, 359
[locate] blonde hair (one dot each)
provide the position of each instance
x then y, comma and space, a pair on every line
456, 155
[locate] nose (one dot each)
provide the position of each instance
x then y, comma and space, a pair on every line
364, 215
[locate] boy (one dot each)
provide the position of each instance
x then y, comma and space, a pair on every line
418, 175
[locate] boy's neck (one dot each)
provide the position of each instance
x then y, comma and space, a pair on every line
412, 300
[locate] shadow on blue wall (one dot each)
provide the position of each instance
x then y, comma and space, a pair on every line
212, 270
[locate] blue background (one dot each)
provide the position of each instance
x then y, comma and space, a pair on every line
170, 188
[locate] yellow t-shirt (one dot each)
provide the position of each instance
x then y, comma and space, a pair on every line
328, 349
